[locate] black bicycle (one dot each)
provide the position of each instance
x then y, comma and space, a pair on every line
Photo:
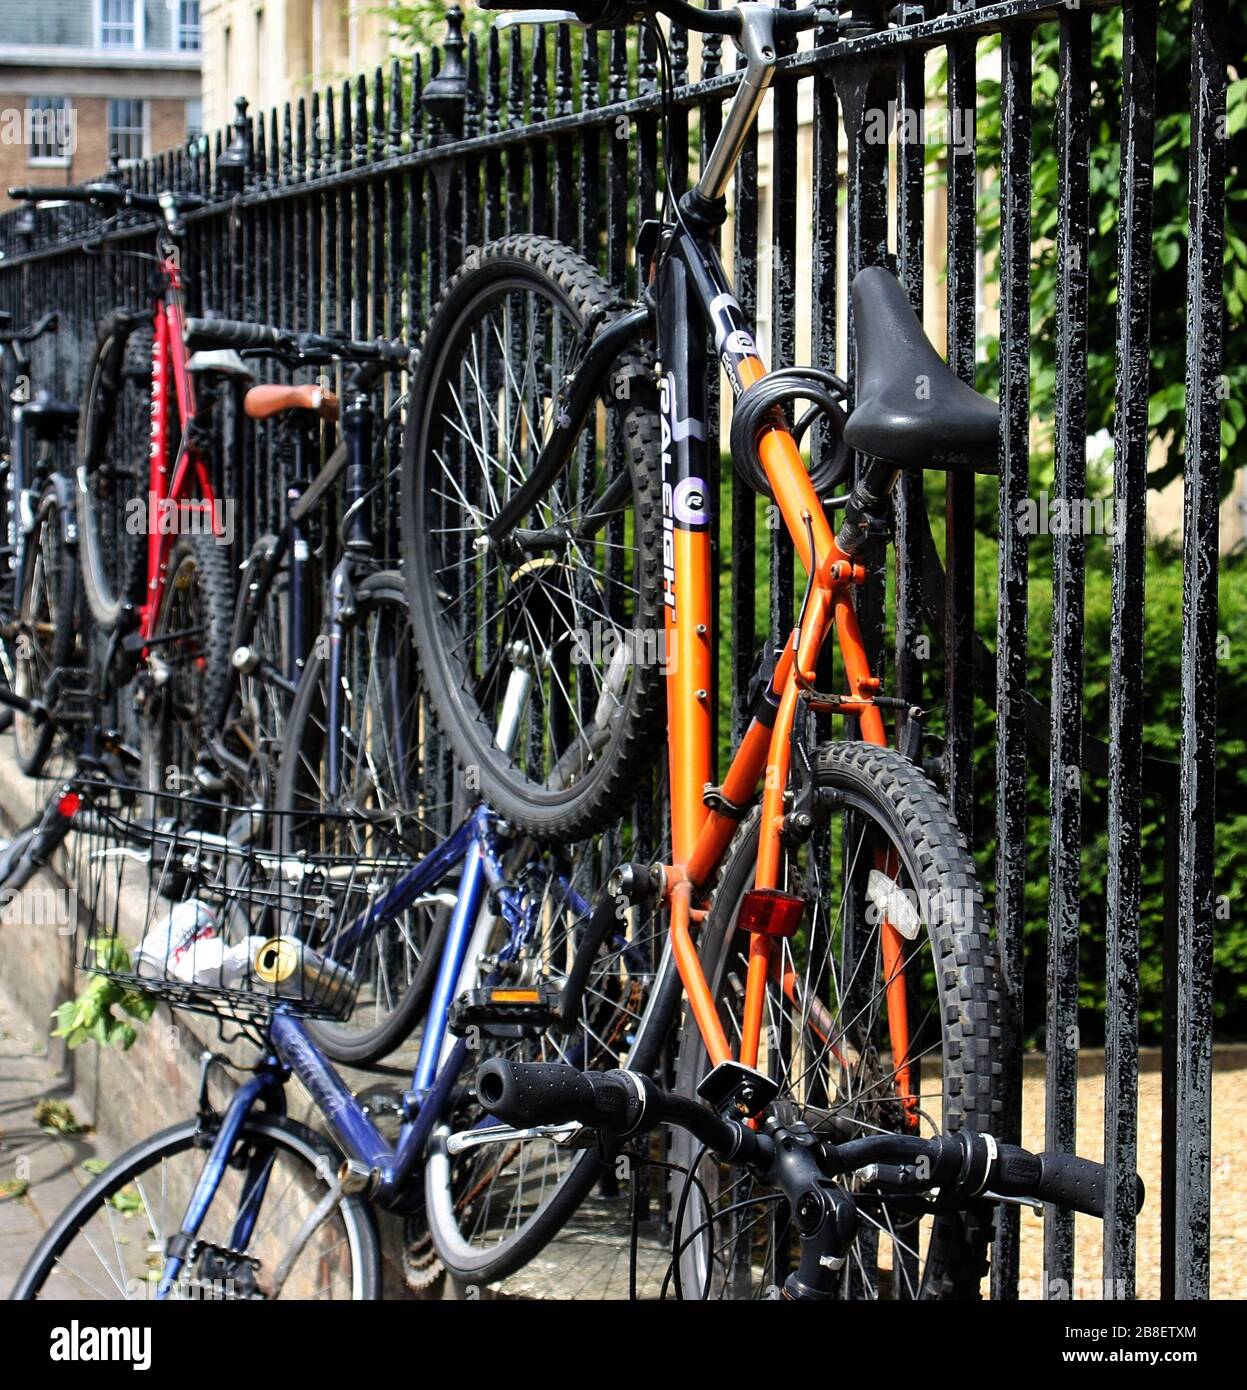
40, 583
316, 721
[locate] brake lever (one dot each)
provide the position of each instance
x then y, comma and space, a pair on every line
1033, 1203
505, 1134
538, 17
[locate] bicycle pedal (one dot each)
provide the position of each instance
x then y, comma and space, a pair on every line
507, 1012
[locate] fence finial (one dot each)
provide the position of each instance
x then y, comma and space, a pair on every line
233, 165
445, 95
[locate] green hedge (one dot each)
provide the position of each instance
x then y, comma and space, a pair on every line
1162, 735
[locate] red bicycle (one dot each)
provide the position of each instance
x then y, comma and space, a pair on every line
155, 568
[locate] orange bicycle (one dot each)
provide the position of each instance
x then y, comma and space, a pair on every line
826, 928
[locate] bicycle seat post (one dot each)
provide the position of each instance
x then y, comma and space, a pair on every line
357, 433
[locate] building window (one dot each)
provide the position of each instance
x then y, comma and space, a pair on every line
127, 128
190, 35
121, 23
194, 119
48, 130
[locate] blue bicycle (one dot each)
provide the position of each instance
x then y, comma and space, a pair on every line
533, 963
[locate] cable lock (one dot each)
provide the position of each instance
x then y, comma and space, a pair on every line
760, 408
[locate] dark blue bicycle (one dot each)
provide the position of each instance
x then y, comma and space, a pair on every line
531, 963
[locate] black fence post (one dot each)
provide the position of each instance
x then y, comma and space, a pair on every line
1012, 764
1125, 799
1200, 531
445, 99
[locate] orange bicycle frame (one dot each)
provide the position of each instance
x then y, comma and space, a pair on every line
692, 286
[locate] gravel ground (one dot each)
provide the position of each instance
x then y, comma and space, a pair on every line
1229, 1196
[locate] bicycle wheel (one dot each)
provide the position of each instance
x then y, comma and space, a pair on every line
110, 1242
491, 1208
113, 469
889, 854
47, 634
391, 805
572, 593
187, 665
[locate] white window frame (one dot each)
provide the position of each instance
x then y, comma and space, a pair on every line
178, 30
140, 26
146, 129
50, 161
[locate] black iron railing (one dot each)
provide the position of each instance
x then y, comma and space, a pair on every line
350, 209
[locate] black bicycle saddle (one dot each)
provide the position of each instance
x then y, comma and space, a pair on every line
912, 410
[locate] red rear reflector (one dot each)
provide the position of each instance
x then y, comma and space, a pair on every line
68, 805
769, 912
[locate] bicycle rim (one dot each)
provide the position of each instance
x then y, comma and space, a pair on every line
110, 1243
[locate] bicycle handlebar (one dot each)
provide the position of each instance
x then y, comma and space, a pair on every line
615, 14
108, 195
963, 1165
51, 193
232, 333
285, 342
28, 335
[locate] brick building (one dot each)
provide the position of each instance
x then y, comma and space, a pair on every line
79, 78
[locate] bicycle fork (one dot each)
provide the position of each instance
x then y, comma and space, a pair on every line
264, 1086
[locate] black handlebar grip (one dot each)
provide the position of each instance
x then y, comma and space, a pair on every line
548, 1093
52, 193
1077, 1183
210, 333
1063, 1179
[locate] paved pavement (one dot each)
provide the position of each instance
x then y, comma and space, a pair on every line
40, 1171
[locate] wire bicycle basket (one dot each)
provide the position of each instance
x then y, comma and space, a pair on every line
184, 898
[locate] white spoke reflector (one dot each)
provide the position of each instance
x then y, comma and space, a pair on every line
894, 904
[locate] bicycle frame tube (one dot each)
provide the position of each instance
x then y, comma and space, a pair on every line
349, 1123
691, 277
341, 601
357, 543
296, 625
169, 487
21, 503
481, 865
399, 897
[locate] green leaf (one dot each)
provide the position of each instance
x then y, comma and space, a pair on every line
127, 1201
55, 1115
